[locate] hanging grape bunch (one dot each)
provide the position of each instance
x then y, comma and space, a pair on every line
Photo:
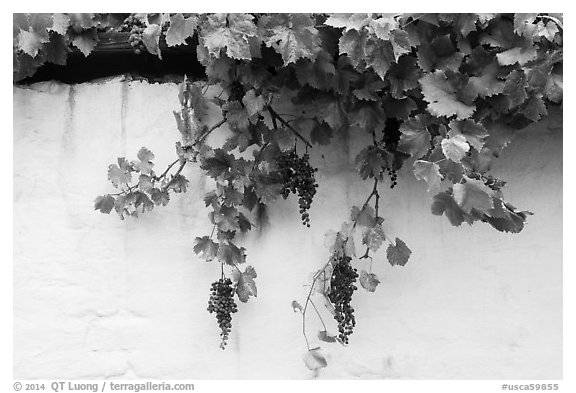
341, 289
393, 177
298, 178
136, 28
222, 303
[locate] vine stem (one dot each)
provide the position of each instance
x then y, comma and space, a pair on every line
130, 188
166, 171
308, 300
412, 21
275, 115
182, 165
319, 316
374, 192
205, 135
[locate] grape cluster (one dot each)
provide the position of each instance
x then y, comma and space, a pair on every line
298, 178
136, 28
222, 303
393, 177
341, 289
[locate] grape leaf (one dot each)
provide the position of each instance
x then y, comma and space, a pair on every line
267, 192
455, 147
369, 162
119, 175
323, 335
369, 281
415, 138
515, 88
226, 218
374, 237
400, 43
524, 24
30, 42
86, 41
245, 285
367, 116
320, 74
473, 194
533, 108
487, 83
296, 307
444, 203
384, 26
353, 43
254, 104
321, 133
510, 220
178, 183
82, 20
40, 23
398, 254
151, 39
20, 21
554, 87
451, 170
429, 172
145, 163
474, 133
517, 55
230, 31
244, 223
104, 203
314, 359
403, 76
365, 217
349, 21
206, 248
371, 86
217, 164
548, 30
229, 195
291, 35
236, 115
145, 183
515, 48
379, 55
60, 23
159, 197
56, 50
230, 254
143, 200
399, 109
463, 22
439, 54
180, 29
442, 96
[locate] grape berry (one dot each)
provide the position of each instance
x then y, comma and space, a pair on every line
298, 178
341, 289
136, 28
222, 303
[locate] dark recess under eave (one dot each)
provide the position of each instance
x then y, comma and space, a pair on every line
114, 56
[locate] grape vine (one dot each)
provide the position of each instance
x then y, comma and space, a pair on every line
427, 90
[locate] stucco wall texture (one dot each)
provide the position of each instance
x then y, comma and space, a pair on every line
96, 297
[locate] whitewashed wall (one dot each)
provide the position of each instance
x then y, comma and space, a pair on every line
96, 297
